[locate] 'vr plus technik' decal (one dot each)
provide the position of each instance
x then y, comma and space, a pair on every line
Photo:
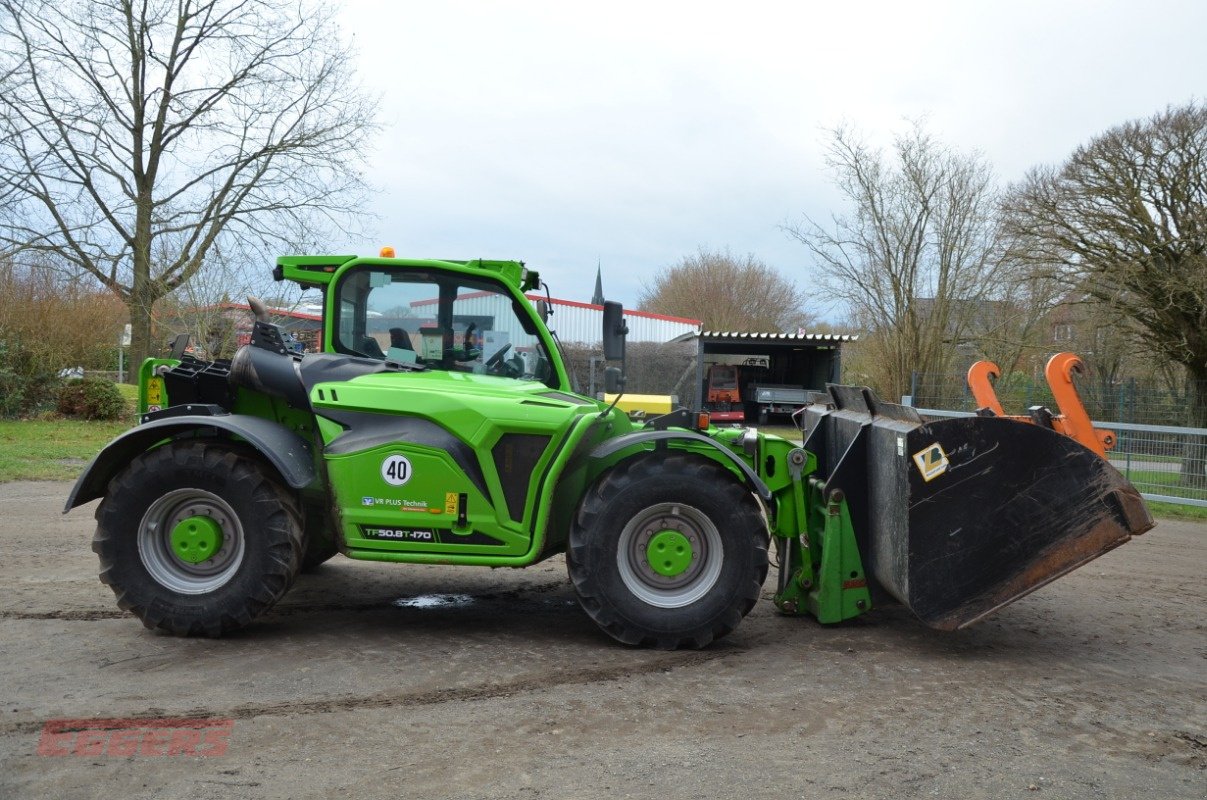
404, 505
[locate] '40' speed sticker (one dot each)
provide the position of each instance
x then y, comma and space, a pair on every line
932, 461
396, 470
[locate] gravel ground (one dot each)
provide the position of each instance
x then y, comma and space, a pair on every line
382, 681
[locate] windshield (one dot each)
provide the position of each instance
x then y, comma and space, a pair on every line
438, 320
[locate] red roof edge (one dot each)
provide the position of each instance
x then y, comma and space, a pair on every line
628, 313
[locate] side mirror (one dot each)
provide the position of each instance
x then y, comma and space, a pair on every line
542, 308
614, 331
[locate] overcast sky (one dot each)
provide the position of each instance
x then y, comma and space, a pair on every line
630, 134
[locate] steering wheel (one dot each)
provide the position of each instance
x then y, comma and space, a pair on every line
494, 361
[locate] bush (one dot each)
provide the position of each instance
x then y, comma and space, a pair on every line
25, 384
91, 398
22, 395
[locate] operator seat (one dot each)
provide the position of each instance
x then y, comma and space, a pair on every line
400, 339
291, 376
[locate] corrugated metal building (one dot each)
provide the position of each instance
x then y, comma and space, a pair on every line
574, 321
583, 322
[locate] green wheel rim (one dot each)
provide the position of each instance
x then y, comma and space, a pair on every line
669, 553
196, 539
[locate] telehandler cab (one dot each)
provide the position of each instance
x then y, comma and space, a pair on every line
438, 425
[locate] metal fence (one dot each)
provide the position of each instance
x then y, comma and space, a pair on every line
651, 368
1166, 463
1130, 401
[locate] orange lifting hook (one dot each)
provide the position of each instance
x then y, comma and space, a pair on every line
982, 389
1073, 421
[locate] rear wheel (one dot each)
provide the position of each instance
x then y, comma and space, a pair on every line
318, 538
668, 551
195, 538
318, 552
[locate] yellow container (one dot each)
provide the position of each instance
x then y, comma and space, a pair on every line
650, 404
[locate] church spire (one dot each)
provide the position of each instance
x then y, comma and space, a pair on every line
598, 297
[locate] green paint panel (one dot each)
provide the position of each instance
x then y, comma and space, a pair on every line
430, 499
826, 577
475, 410
151, 391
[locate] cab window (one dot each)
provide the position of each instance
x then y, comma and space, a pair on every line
438, 321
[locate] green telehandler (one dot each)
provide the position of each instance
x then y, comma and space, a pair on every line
436, 424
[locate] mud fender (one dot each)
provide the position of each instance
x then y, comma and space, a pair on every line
284, 449
613, 446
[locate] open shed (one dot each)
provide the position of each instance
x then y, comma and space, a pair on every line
762, 375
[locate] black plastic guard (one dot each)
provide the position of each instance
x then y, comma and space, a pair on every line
966, 515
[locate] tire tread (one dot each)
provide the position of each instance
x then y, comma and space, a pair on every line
281, 525
593, 514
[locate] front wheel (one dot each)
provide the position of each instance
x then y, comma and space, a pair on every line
668, 551
195, 538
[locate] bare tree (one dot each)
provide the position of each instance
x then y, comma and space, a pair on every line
1124, 221
201, 307
202, 123
917, 259
728, 293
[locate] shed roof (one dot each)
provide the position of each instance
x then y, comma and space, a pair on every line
784, 338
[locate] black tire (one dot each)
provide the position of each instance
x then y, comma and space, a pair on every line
317, 552
259, 541
687, 495
318, 534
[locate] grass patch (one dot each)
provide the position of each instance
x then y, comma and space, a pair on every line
1176, 511
1168, 483
1162, 482
789, 432
129, 391
59, 449
52, 449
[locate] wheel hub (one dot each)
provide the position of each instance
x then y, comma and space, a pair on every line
196, 539
669, 553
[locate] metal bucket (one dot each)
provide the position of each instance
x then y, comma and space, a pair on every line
959, 517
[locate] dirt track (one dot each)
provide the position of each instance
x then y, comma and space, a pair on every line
1094, 687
